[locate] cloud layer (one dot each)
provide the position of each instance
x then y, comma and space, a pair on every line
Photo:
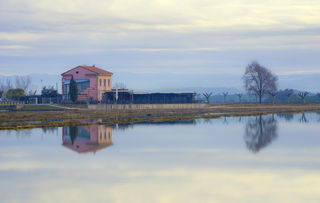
188, 36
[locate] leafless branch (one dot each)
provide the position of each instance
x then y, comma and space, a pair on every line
207, 96
225, 94
120, 85
22, 82
239, 96
273, 95
302, 96
259, 80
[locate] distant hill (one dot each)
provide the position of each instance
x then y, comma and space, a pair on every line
200, 90
210, 83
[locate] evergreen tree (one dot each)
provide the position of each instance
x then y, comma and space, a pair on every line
49, 92
73, 90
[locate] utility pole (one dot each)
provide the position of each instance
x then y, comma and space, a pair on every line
41, 91
117, 95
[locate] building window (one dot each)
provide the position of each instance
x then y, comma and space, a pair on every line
100, 82
83, 85
104, 81
77, 72
108, 82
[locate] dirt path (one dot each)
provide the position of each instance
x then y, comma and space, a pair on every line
63, 107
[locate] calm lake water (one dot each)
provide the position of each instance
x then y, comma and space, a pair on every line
273, 158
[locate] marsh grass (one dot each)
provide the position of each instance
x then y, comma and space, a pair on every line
40, 108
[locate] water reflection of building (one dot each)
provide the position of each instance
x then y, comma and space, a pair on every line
84, 139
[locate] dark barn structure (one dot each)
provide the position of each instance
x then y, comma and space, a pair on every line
129, 97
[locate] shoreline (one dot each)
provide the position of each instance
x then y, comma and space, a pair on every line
70, 117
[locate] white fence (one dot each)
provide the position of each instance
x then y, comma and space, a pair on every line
145, 106
10, 103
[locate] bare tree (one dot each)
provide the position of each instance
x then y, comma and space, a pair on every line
5, 85
2, 86
273, 95
225, 94
23, 82
207, 96
197, 96
289, 94
32, 92
8, 84
302, 96
239, 96
259, 80
120, 85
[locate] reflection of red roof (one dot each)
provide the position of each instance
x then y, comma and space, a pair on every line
85, 147
94, 69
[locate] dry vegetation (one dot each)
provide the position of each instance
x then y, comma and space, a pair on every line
32, 119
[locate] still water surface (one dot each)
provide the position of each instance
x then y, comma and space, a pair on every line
272, 158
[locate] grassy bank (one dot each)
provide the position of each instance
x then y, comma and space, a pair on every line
65, 117
40, 108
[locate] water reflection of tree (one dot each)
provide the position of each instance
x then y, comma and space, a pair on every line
225, 121
303, 118
286, 116
49, 130
73, 133
260, 132
22, 133
207, 121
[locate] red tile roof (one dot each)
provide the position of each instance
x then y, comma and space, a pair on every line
94, 69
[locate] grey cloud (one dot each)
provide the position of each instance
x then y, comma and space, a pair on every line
156, 39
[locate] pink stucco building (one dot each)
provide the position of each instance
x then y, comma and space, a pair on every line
92, 82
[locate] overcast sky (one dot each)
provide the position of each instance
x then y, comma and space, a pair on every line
159, 36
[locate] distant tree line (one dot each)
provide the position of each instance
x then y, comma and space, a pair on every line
14, 88
19, 88
261, 86
280, 97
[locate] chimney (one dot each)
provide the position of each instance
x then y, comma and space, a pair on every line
93, 65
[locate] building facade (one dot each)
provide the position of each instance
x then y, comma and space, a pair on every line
92, 83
